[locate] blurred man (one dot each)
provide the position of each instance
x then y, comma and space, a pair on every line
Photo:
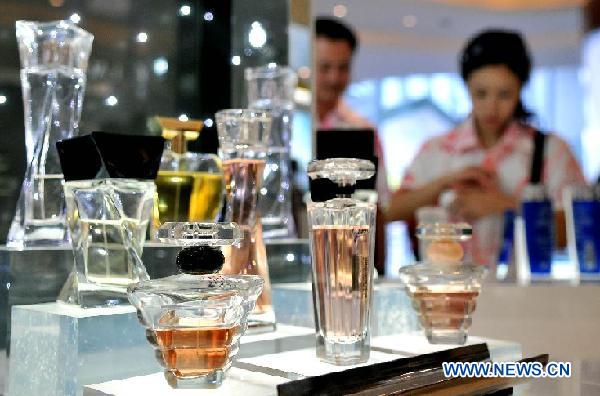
335, 45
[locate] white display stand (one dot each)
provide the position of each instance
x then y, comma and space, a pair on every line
57, 348
260, 374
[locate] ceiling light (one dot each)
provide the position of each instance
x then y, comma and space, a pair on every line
409, 21
257, 37
185, 10
142, 37
75, 18
111, 101
340, 10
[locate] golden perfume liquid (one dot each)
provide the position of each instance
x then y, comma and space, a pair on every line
188, 196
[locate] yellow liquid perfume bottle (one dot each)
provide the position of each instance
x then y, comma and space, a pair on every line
189, 185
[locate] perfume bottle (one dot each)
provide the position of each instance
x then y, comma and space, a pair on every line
109, 193
54, 58
582, 209
443, 288
342, 236
189, 185
195, 319
243, 140
271, 88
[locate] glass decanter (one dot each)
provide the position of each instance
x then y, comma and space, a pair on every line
243, 139
342, 237
443, 288
271, 88
54, 58
189, 185
195, 319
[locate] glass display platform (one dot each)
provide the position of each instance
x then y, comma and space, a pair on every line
260, 374
69, 348
36, 275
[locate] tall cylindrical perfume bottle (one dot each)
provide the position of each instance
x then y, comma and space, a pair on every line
243, 139
54, 57
271, 88
342, 238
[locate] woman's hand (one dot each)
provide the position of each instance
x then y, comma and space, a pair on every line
471, 176
473, 203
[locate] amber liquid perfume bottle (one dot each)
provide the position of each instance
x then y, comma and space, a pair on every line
342, 234
443, 288
194, 320
189, 185
243, 139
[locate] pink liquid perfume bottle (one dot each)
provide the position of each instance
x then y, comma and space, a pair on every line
342, 234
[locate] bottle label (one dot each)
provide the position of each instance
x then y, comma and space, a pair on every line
586, 220
539, 235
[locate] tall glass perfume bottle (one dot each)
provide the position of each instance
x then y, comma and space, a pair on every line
271, 88
342, 237
189, 185
243, 139
195, 319
54, 57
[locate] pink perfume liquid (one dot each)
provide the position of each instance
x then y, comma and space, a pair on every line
242, 184
444, 309
342, 279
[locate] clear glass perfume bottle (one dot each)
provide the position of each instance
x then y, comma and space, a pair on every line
107, 220
342, 237
195, 319
243, 139
443, 288
271, 88
189, 185
54, 58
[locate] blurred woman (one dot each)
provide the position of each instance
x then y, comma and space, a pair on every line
486, 160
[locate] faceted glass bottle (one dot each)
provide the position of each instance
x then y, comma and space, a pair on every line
271, 88
342, 238
194, 320
54, 58
189, 185
443, 288
243, 139
107, 219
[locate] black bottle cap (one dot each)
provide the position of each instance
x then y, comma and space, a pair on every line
79, 158
322, 190
102, 154
200, 260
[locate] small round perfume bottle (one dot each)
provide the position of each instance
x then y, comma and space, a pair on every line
443, 288
195, 319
